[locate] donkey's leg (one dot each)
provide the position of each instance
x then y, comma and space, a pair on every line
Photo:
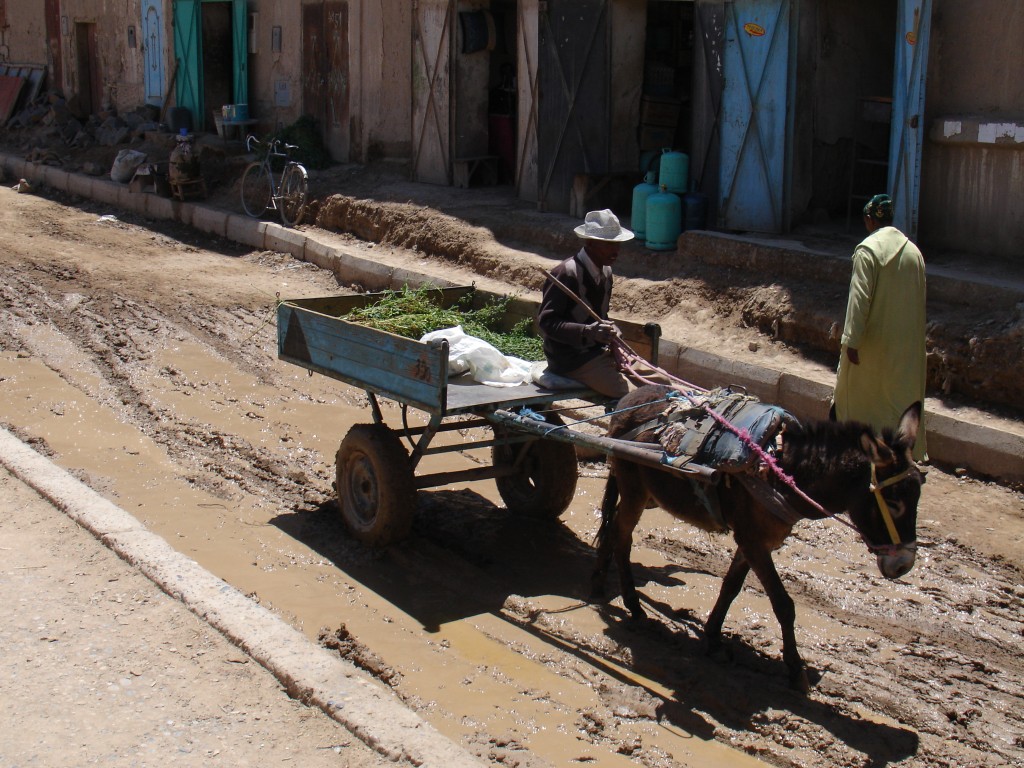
633, 497
605, 539
731, 586
785, 612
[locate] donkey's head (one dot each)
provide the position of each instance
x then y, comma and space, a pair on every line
886, 512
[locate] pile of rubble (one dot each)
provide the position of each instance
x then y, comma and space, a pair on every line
50, 131
51, 121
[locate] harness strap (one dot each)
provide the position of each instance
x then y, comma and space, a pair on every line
876, 488
769, 496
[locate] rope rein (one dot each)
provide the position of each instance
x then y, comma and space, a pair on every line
628, 360
628, 357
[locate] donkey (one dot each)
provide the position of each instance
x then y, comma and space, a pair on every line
841, 466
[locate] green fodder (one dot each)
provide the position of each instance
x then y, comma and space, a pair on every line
413, 312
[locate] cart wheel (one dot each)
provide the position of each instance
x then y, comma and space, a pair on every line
375, 486
546, 482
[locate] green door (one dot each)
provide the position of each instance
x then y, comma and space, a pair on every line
188, 85
188, 53
240, 38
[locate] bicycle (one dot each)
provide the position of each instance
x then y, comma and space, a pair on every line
262, 190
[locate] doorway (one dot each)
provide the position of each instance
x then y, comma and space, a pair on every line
503, 96
848, 121
218, 59
210, 46
666, 100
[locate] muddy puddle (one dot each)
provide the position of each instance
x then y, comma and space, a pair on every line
174, 406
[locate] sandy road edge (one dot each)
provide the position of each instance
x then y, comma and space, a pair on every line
309, 673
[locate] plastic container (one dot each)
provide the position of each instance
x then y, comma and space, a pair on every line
241, 112
695, 211
664, 220
638, 216
674, 171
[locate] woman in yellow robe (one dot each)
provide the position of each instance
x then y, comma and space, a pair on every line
882, 361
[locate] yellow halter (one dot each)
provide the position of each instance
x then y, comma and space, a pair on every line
876, 488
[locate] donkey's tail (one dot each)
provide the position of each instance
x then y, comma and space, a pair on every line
609, 505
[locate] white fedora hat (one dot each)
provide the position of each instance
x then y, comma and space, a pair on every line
603, 225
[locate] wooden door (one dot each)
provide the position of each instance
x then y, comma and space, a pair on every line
913, 30
527, 39
90, 79
51, 14
325, 73
754, 120
153, 51
574, 120
432, 44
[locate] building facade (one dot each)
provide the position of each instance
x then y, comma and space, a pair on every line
791, 112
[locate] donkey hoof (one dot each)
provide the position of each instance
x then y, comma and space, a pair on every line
636, 612
719, 651
799, 681
598, 589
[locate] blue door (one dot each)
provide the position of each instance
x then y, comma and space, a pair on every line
753, 124
913, 27
153, 51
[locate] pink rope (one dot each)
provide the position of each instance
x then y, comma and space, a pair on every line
627, 359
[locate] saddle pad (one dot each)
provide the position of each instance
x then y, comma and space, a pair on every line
691, 434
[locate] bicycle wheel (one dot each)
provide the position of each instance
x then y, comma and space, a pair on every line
256, 190
294, 190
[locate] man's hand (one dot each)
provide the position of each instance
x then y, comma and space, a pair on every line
600, 333
852, 355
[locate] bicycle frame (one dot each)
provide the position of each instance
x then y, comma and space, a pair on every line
287, 191
272, 152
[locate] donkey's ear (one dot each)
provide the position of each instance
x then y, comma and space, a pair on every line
910, 422
877, 451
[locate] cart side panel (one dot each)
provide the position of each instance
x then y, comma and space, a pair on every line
400, 369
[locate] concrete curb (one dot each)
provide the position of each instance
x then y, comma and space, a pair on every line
952, 442
754, 255
310, 673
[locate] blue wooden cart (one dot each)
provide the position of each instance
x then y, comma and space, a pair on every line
533, 463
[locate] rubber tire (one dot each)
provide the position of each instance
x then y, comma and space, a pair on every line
255, 190
294, 191
375, 484
546, 484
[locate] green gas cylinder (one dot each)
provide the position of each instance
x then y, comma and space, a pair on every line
664, 220
674, 171
638, 217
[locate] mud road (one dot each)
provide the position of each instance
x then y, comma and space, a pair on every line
142, 358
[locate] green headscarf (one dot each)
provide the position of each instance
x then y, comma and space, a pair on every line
879, 208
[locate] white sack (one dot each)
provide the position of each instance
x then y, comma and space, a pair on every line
484, 363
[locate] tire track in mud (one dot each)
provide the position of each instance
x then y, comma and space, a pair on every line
928, 662
924, 672
122, 339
